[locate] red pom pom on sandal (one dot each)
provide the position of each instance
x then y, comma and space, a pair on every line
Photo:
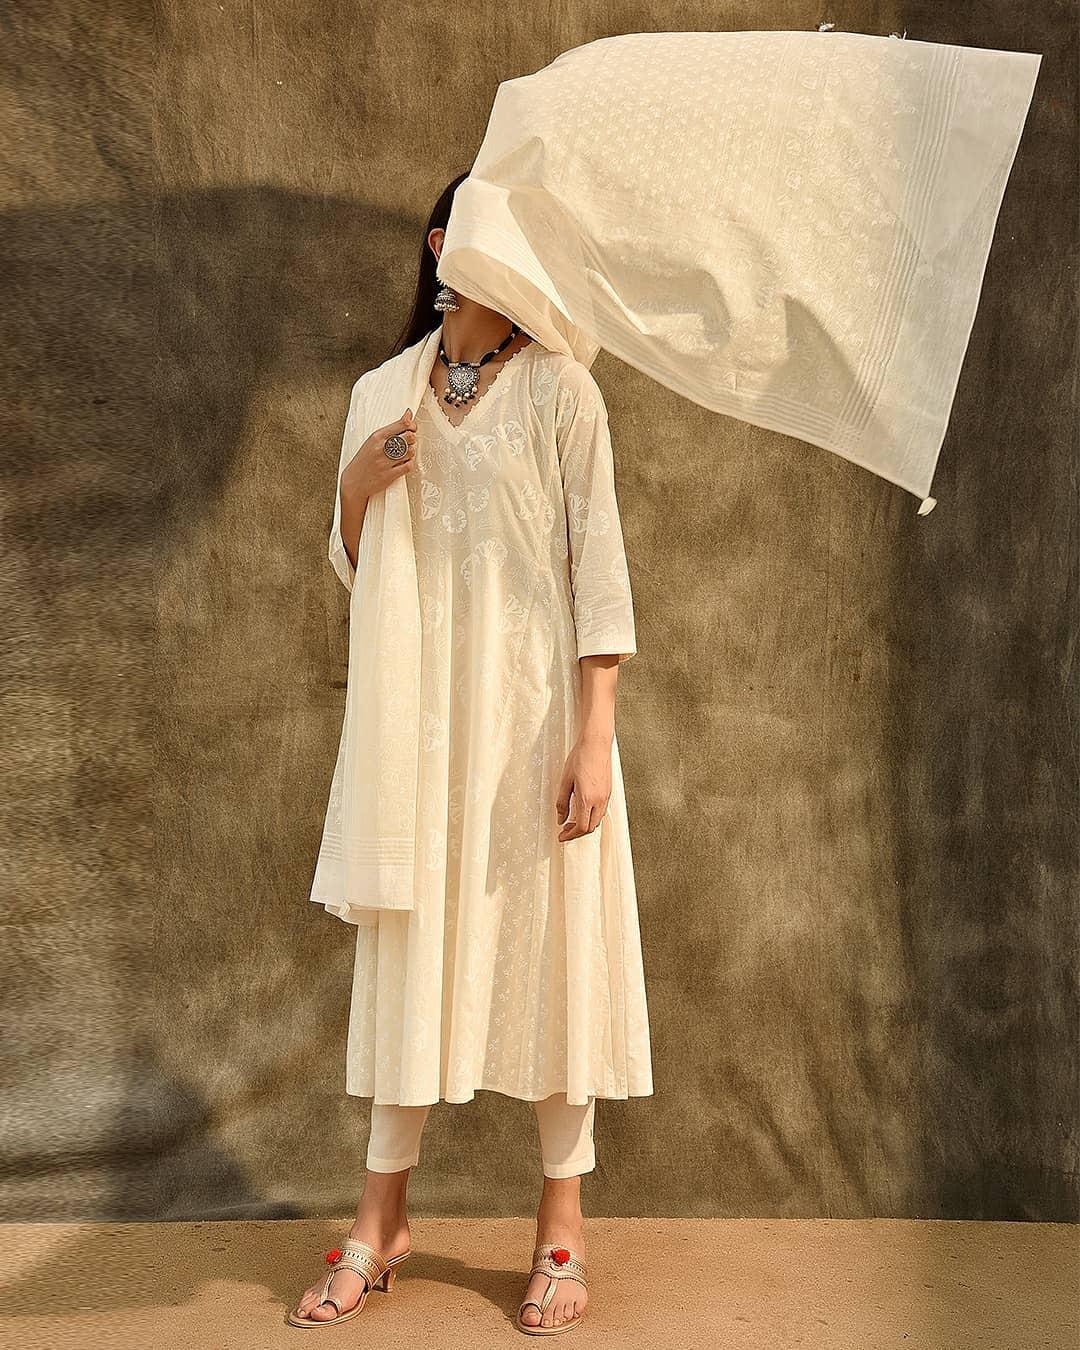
362, 1260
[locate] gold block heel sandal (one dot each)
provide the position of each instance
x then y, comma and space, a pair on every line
557, 1263
362, 1260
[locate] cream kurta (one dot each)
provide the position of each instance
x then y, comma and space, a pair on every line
519, 969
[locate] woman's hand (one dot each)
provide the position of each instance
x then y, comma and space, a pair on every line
587, 776
370, 471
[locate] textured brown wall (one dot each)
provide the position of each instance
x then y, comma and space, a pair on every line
847, 735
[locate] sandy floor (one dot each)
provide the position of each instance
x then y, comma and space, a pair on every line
739, 1284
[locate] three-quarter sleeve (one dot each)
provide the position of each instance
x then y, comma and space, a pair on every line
350, 443
599, 577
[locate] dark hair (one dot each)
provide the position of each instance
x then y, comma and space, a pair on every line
424, 318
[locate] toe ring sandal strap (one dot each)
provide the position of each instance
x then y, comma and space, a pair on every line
328, 1297
542, 1306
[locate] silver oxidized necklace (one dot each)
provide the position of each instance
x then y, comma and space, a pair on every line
462, 377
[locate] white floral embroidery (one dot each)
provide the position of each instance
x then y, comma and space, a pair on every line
478, 498
528, 501
584, 516
454, 521
432, 610
430, 499
513, 616
433, 731
491, 551
477, 448
510, 436
544, 385
578, 507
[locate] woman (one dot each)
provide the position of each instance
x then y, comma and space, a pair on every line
518, 968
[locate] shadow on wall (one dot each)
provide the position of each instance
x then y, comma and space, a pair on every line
145, 328
144, 331
185, 1173
160, 1156
984, 867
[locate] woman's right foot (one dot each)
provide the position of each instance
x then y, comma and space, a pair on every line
389, 1240
558, 1221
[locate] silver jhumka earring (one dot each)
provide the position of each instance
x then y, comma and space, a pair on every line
446, 300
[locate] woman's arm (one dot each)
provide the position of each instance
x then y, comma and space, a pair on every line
353, 510
587, 775
602, 602
368, 472
599, 677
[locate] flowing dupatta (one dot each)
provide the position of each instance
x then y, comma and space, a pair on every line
789, 228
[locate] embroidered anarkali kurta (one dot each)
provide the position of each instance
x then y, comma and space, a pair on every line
519, 968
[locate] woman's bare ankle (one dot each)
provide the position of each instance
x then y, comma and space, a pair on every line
558, 1217
382, 1215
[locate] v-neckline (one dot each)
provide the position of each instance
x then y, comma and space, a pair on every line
458, 428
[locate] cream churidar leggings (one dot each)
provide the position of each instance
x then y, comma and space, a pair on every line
566, 1136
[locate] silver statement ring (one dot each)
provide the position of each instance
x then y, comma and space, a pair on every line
395, 447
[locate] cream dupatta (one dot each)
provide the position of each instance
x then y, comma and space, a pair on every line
790, 228
365, 862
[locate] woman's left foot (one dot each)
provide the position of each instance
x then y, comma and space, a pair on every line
559, 1224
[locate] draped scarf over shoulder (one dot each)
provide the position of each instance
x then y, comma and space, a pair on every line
370, 845
787, 227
